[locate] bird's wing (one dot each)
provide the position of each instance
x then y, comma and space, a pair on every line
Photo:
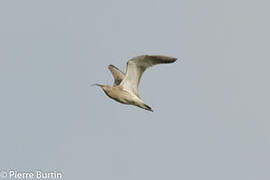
117, 74
135, 68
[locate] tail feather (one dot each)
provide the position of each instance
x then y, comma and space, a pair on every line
148, 108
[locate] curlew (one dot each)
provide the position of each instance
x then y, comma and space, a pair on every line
125, 87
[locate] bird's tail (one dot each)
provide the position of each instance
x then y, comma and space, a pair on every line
146, 107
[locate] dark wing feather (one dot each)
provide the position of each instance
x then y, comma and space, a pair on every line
117, 74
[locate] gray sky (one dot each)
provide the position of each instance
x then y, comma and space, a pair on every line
211, 108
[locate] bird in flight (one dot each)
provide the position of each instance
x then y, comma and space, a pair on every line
125, 87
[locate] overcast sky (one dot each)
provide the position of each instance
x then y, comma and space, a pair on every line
211, 116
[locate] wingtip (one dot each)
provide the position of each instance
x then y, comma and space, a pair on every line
171, 59
110, 65
166, 59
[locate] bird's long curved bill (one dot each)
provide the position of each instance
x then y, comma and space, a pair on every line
97, 85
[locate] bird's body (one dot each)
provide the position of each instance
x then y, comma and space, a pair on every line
119, 94
125, 88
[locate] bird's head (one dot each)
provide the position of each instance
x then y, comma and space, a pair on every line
105, 88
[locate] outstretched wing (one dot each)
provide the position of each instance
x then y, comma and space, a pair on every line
137, 65
117, 75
